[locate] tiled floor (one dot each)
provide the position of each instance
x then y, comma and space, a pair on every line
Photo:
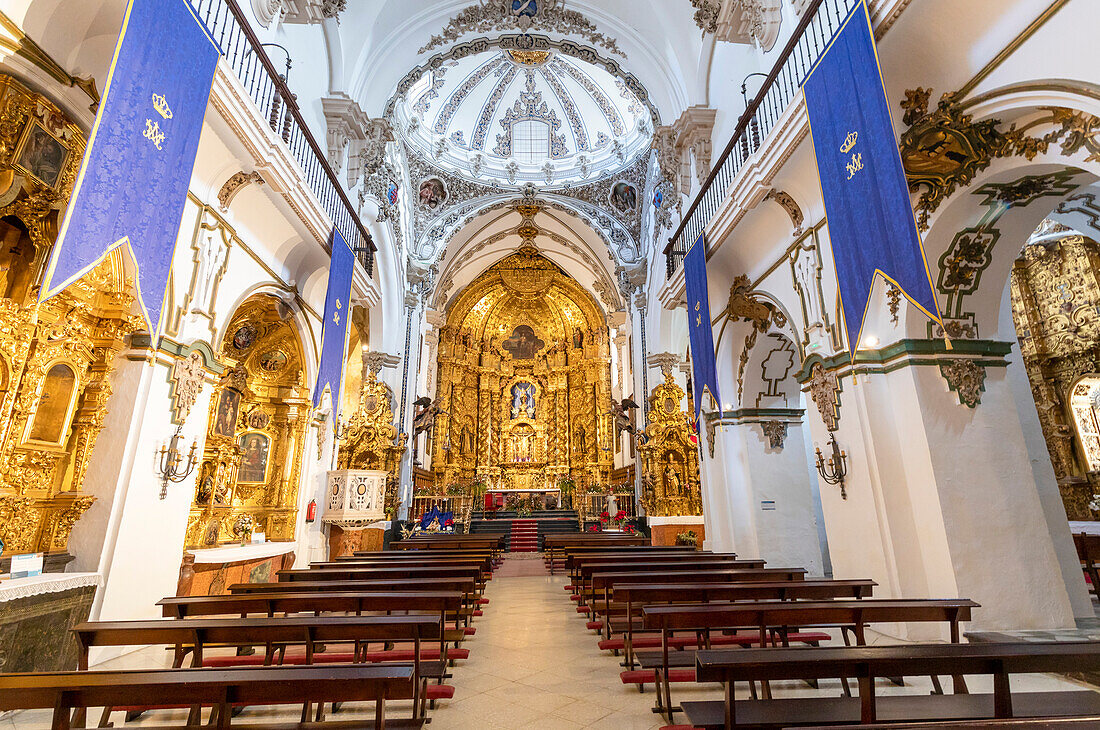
533, 665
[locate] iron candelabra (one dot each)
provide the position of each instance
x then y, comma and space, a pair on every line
170, 465
835, 469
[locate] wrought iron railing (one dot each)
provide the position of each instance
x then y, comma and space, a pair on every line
782, 86
277, 105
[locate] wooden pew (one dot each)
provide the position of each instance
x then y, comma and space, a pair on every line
601, 584
583, 571
495, 543
554, 544
467, 586
575, 562
197, 636
763, 616
220, 689
1044, 723
443, 604
632, 597
574, 555
1088, 552
866, 663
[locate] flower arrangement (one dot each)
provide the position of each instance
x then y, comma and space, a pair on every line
594, 528
614, 522
454, 489
242, 528
628, 528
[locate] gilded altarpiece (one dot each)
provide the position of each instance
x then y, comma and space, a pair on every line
524, 381
56, 361
370, 439
1056, 309
252, 462
670, 457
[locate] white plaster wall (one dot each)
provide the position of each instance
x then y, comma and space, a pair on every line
787, 535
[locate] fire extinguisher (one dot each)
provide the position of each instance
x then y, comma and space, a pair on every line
311, 511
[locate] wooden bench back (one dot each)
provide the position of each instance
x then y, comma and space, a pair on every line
600, 582
241, 632
585, 570
353, 573
771, 614
272, 604
647, 593
465, 585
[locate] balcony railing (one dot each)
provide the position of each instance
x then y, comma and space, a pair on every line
241, 48
820, 21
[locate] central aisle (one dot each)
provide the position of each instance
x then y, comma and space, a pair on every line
533, 665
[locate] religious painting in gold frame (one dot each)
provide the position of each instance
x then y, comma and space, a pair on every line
41, 154
255, 449
225, 419
56, 400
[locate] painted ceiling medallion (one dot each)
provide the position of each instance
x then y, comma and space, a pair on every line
522, 15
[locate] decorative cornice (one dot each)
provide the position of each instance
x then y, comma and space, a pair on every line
904, 353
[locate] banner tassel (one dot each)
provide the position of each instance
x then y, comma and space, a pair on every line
947, 341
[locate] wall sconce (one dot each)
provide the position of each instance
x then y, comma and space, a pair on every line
834, 470
169, 461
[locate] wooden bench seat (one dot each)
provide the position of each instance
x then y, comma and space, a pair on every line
631, 597
801, 711
867, 663
1045, 723
779, 616
220, 689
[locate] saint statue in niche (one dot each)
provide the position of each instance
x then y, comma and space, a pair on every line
578, 338
523, 400
672, 480
523, 343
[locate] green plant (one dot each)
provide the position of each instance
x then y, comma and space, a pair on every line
687, 538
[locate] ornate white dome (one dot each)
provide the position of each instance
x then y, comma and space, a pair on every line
514, 116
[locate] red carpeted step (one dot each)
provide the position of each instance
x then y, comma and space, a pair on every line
648, 676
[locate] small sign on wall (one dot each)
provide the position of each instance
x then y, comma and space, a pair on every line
768, 505
258, 538
26, 565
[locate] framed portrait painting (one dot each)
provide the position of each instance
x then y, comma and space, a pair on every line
41, 155
255, 447
225, 418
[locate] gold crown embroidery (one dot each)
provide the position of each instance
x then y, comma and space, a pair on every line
849, 142
161, 105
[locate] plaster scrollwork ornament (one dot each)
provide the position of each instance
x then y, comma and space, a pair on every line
236, 182
776, 432
268, 11
522, 15
311, 11
788, 204
824, 387
187, 377
966, 378
944, 149
711, 430
706, 14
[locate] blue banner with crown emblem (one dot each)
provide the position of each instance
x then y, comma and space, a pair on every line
704, 373
330, 371
867, 204
134, 177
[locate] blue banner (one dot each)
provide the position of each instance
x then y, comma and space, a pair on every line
330, 371
704, 374
133, 181
867, 204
